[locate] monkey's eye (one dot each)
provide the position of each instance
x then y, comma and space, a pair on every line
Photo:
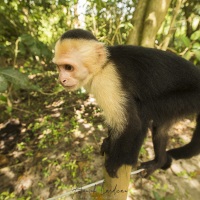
68, 67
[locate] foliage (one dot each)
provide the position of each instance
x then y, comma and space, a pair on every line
12, 76
32, 27
53, 141
110, 25
185, 37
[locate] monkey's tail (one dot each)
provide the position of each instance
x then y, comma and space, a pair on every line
190, 149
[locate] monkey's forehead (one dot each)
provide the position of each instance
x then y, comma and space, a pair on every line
68, 45
70, 49
73, 48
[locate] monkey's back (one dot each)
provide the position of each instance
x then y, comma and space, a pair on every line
153, 72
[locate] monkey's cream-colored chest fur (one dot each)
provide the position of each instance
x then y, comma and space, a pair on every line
107, 90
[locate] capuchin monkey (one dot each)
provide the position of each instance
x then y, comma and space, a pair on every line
135, 87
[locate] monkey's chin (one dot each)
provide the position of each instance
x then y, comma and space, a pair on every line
71, 88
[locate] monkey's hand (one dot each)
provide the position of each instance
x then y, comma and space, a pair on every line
111, 167
105, 147
116, 155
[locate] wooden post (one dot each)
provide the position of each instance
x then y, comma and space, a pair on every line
117, 188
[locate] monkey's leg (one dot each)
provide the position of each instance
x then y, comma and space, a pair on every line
161, 160
190, 149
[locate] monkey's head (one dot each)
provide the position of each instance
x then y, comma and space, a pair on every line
78, 56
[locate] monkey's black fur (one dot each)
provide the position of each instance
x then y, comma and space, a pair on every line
161, 88
78, 34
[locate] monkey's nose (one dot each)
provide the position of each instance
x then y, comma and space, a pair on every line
63, 82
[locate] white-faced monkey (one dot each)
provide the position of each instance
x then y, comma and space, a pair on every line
134, 86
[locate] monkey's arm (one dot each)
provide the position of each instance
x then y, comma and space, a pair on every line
125, 148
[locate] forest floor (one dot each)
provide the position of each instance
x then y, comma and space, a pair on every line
51, 144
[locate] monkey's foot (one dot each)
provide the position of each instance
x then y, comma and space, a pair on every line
149, 168
153, 165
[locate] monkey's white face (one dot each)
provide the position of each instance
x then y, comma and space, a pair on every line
78, 61
72, 73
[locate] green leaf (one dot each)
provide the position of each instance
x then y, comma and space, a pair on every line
3, 98
27, 39
17, 78
197, 54
188, 55
156, 195
185, 40
3, 84
195, 35
196, 46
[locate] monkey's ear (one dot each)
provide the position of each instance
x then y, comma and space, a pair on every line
101, 51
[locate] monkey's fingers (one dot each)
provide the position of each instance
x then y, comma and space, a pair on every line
111, 168
105, 147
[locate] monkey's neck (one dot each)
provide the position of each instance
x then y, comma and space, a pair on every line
107, 89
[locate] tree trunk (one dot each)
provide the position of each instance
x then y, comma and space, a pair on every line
147, 19
171, 30
137, 22
117, 188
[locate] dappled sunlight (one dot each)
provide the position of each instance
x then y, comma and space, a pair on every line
163, 5
68, 144
8, 172
17, 154
50, 139
67, 137
24, 182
